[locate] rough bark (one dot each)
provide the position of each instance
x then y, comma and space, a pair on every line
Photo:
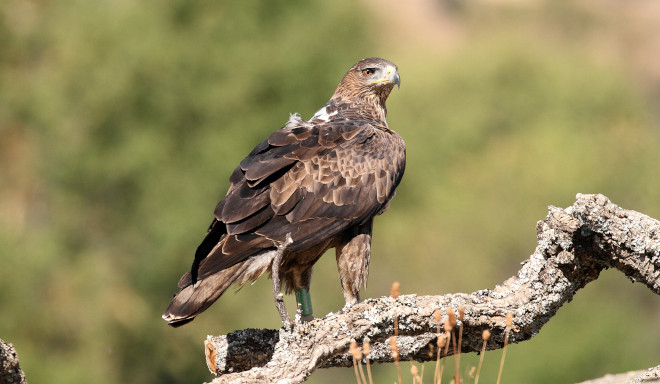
651, 375
574, 245
10, 371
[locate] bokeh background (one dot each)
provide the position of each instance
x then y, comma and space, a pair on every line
120, 122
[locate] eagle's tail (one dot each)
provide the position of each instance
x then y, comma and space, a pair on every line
193, 299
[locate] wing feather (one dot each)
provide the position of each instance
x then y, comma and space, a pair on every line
310, 181
288, 205
242, 203
262, 168
250, 222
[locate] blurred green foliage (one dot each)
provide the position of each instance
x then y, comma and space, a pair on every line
120, 123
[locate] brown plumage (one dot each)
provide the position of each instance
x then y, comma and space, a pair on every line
320, 181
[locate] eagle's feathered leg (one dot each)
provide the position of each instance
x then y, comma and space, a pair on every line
275, 273
297, 280
296, 277
353, 252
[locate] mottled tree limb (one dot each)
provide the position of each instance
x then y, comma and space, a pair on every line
574, 245
10, 371
651, 375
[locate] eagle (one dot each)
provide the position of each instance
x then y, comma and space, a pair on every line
310, 186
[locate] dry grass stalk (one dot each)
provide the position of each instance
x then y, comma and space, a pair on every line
449, 328
457, 356
367, 349
415, 373
395, 289
359, 359
449, 324
485, 336
471, 372
509, 324
395, 354
354, 352
395, 293
395, 350
444, 354
437, 316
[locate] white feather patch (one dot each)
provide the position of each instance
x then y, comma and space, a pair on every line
322, 114
258, 265
294, 120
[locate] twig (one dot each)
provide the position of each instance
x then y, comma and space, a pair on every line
275, 273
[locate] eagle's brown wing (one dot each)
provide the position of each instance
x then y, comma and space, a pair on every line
311, 181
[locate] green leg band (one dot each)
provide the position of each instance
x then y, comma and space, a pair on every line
305, 300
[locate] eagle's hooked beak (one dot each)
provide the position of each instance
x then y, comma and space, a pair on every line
396, 79
391, 77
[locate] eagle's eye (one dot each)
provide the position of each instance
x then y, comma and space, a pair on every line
368, 72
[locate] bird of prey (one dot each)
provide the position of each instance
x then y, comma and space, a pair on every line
310, 186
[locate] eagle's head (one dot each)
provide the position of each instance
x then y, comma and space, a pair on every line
369, 81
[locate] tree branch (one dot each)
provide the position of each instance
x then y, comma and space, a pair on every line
651, 375
574, 245
10, 371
